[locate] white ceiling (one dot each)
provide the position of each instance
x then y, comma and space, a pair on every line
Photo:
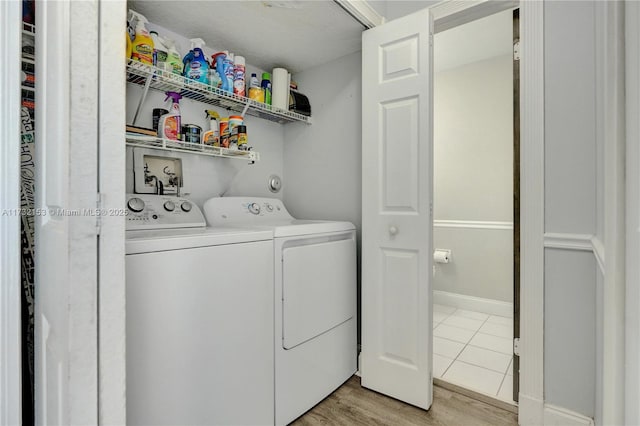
476, 41
294, 34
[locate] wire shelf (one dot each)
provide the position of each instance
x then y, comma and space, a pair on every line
143, 141
139, 73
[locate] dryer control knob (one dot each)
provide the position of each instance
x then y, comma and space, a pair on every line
254, 208
169, 206
186, 206
135, 204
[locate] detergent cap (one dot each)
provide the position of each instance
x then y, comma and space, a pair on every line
197, 43
175, 97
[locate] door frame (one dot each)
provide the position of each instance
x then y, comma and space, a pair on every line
632, 308
10, 281
111, 187
449, 14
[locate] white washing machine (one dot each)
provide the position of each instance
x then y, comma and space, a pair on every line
200, 318
315, 299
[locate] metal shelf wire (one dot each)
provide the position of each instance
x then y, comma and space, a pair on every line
143, 141
157, 79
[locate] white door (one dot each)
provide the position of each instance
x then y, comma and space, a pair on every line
66, 192
397, 181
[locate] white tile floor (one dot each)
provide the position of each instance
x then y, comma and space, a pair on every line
473, 350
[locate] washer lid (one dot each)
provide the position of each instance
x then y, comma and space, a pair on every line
305, 227
175, 239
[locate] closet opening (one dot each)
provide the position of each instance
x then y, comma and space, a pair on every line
476, 208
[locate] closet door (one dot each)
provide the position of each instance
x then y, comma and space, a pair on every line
397, 182
66, 338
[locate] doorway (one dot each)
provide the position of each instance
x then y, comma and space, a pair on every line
476, 192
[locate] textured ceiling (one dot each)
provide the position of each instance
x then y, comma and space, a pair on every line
294, 34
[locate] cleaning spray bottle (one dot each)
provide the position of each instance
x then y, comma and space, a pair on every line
196, 66
170, 125
174, 59
142, 45
220, 59
212, 136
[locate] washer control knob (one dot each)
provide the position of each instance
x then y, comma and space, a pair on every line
254, 208
269, 207
135, 204
169, 206
186, 206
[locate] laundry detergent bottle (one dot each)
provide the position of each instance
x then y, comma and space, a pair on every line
196, 66
170, 125
142, 44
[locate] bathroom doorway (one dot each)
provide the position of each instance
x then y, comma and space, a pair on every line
476, 207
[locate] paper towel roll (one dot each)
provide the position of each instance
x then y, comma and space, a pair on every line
280, 88
441, 256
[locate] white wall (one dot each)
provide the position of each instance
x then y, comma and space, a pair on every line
322, 161
207, 177
473, 175
393, 9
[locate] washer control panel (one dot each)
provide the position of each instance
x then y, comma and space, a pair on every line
146, 211
245, 210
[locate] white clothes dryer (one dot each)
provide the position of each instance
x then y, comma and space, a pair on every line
199, 324
315, 299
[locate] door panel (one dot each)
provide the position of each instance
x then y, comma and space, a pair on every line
401, 188
396, 204
400, 284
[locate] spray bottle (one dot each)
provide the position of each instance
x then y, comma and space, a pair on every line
212, 136
196, 66
174, 59
220, 59
142, 44
170, 125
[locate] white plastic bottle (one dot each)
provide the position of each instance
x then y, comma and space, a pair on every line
142, 44
239, 72
160, 51
174, 59
170, 125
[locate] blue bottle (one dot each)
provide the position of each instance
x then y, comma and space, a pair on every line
196, 66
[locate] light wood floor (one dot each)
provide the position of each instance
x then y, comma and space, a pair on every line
352, 404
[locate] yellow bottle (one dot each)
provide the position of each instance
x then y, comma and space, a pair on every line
142, 45
128, 46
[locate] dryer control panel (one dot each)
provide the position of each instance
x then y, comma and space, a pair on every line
146, 211
245, 210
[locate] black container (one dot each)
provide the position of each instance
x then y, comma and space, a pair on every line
191, 133
157, 113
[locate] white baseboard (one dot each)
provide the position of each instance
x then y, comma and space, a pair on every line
471, 303
530, 411
558, 416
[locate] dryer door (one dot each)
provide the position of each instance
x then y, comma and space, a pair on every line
318, 287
